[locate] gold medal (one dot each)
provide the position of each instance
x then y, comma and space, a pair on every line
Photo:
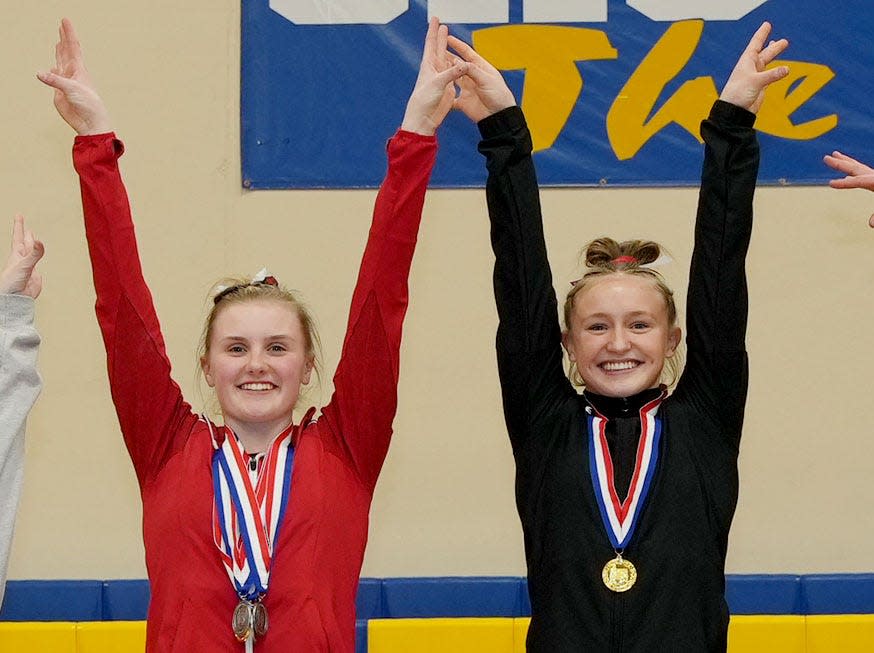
242, 621
619, 574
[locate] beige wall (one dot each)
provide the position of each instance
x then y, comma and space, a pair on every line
444, 504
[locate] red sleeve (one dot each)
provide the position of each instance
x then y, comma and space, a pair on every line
154, 418
360, 413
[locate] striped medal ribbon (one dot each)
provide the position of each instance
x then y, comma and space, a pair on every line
621, 517
246, 520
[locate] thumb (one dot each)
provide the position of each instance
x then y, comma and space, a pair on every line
458, 69
57, 81
478, 75
36, 253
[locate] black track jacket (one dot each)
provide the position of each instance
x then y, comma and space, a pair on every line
680, 543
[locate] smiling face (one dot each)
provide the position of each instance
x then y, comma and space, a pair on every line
619, 336
256, 361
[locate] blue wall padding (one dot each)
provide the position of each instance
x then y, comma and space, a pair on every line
838, 593
369, 604
53, 600
90, 600
524, 599
361, 636
125, 600
764, 594
452, 597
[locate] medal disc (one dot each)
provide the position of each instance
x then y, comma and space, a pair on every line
259, 619
619, 575
242, 621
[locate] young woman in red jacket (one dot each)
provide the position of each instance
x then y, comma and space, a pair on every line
256, 516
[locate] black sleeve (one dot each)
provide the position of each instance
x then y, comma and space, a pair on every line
715, 378
529, 337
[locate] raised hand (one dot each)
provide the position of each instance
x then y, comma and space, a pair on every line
434, 91
858, 175
18, 276
746, 84
483, 90
75, 96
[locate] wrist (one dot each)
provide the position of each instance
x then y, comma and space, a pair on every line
7, 283
418, 125
94, 127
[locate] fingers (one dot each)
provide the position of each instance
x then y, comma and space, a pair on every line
434, 51
854, 181
846, 164
846, 182
774, 49
68, 31
68, 51
35, 248
69, 38
17, 232
841, 164
430, 49
772, 75
840, 156
39, 249
478, 75
442, 36
871, 222
457, 70
758, 39
465, 51
24, 242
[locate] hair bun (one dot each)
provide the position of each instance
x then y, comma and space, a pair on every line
607, 253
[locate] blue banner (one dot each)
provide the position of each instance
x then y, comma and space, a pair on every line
614, 90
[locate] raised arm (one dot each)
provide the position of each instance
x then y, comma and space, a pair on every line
529, 336
149, 404
19, 381
715, 378
363, 406
858, 175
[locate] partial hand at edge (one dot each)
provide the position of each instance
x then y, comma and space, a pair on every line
18, 276
858, 175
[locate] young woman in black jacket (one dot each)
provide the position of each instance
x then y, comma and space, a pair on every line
625, 493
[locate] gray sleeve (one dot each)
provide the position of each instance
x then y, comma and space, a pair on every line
19, 387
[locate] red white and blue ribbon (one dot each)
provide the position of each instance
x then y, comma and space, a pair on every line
247, 514
621, 517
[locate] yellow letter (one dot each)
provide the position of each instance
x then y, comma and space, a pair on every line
781, 100
627, 125
548, 54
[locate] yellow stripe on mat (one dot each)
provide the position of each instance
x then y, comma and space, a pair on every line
467, 635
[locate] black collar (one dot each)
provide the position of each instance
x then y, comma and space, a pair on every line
622, 406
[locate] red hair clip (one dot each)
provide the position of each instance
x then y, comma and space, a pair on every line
624, 259
263, 278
